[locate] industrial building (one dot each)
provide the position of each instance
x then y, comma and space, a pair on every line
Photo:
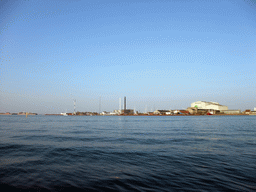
126, 111
236, 111
208, 105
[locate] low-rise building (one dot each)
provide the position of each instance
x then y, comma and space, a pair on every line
234, 111
184, 112
161, 112
253, 112
117, 111
127, 111
247, 111
105, 113
176, 112
203, 111
192, 110
113, 113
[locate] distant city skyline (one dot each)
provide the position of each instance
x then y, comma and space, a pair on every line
159, 54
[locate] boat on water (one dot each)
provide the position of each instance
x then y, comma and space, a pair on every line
210, 113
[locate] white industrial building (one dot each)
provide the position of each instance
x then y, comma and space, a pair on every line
208, 105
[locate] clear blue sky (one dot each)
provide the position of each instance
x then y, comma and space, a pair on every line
160, 54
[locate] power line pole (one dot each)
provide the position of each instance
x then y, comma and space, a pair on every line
99, 105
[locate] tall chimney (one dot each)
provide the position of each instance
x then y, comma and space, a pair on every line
124, 103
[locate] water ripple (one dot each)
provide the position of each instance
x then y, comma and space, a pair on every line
128, 153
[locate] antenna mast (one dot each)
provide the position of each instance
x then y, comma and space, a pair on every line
99, 105
74, 107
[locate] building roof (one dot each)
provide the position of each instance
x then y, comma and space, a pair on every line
210, 103
163, 111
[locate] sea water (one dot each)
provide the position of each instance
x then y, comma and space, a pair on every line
128, 153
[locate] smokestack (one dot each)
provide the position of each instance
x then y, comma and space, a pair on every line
124, 103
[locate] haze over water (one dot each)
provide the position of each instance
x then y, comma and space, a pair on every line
99, 153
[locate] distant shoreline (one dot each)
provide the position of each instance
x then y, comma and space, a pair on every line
177, 115
156, 115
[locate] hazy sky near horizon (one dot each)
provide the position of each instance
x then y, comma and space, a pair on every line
160, 54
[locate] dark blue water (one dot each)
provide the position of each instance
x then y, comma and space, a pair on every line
57, 153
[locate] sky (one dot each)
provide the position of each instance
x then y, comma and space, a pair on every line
160, 54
